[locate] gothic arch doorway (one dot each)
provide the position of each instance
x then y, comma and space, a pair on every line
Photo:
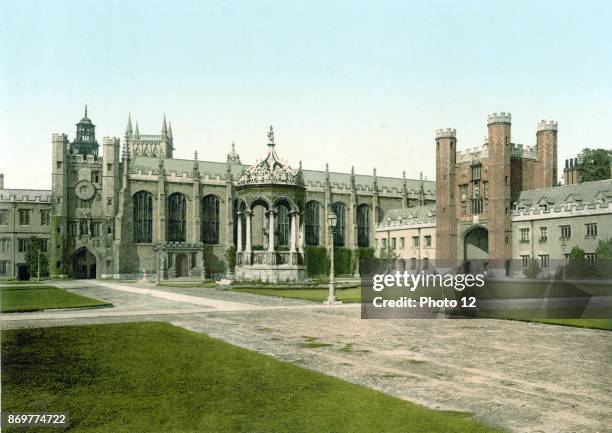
181, 265
476, 249
84, 264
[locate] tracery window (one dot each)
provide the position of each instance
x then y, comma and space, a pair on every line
282, 225
210, 219
363, 225
312, 223
143, 217
177, 212
339, 235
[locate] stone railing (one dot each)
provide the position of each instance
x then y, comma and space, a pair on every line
272, 258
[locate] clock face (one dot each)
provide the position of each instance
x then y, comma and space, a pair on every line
84, 190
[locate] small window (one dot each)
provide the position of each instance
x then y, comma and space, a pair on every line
427, 241
566, 232
402, 242
95, 177
4, 213
109, 167
3, 267
415, 241
525, 260
524, 235
544, 261
393, 243
4, 245
59, 165
22, 245
24, 217
45, 218
590, 258
384, 244
591, 230
543, 234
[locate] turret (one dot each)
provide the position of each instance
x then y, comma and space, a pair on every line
446, 232
499, 191
546, 174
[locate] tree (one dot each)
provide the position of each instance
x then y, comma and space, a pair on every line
594, 164
576, 266
37, 247
533, 270
604, 258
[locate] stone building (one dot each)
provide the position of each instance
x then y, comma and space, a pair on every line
497, 206
476, 188
409, 234
123, 212
24, 214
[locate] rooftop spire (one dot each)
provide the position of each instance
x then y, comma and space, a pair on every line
271, 136
137, 132
170, 130
164, 131
128, 129
85, 110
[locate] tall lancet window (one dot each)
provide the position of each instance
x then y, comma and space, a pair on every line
210, 219
311, 222
177, 213
363, 225
340, 234
143, 217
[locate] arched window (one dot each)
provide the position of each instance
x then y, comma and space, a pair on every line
282, 225
210, 219
363, 225
143, 217
312, 223
339, 236
177, 212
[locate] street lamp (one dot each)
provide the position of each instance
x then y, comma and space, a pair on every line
331, 298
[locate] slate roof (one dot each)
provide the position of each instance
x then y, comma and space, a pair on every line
421, 212
582, 193
310, 176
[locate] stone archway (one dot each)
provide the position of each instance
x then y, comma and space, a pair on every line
84, 264
181, 265
476, 249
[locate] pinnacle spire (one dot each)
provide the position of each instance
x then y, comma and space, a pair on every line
271, 136
170, 130
85, 110
128, 129
137, 132
164, 131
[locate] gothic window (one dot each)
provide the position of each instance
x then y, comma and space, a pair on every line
311, 223
283, 225
210, 219
177, 218
339, 236
363, 225
143, 217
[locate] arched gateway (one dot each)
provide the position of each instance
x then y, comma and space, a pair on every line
271, 203
84, 264
476, 249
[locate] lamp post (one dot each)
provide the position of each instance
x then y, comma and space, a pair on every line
331, 298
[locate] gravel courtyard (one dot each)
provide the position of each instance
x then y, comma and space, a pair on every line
525, 377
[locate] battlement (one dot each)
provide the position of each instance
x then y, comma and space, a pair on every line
562, 211
59, 137
524, 152
471, 154
499, 118
446, 133
110, 140
547, 125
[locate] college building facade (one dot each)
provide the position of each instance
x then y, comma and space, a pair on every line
499, 205
126, 210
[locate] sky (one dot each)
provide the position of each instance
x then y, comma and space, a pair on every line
351, 83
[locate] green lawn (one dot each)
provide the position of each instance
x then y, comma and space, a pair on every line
190, 284
35, 298
316, 295
154, 377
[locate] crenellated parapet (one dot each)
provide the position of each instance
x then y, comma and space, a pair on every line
446, 133
499, 118
548, 125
